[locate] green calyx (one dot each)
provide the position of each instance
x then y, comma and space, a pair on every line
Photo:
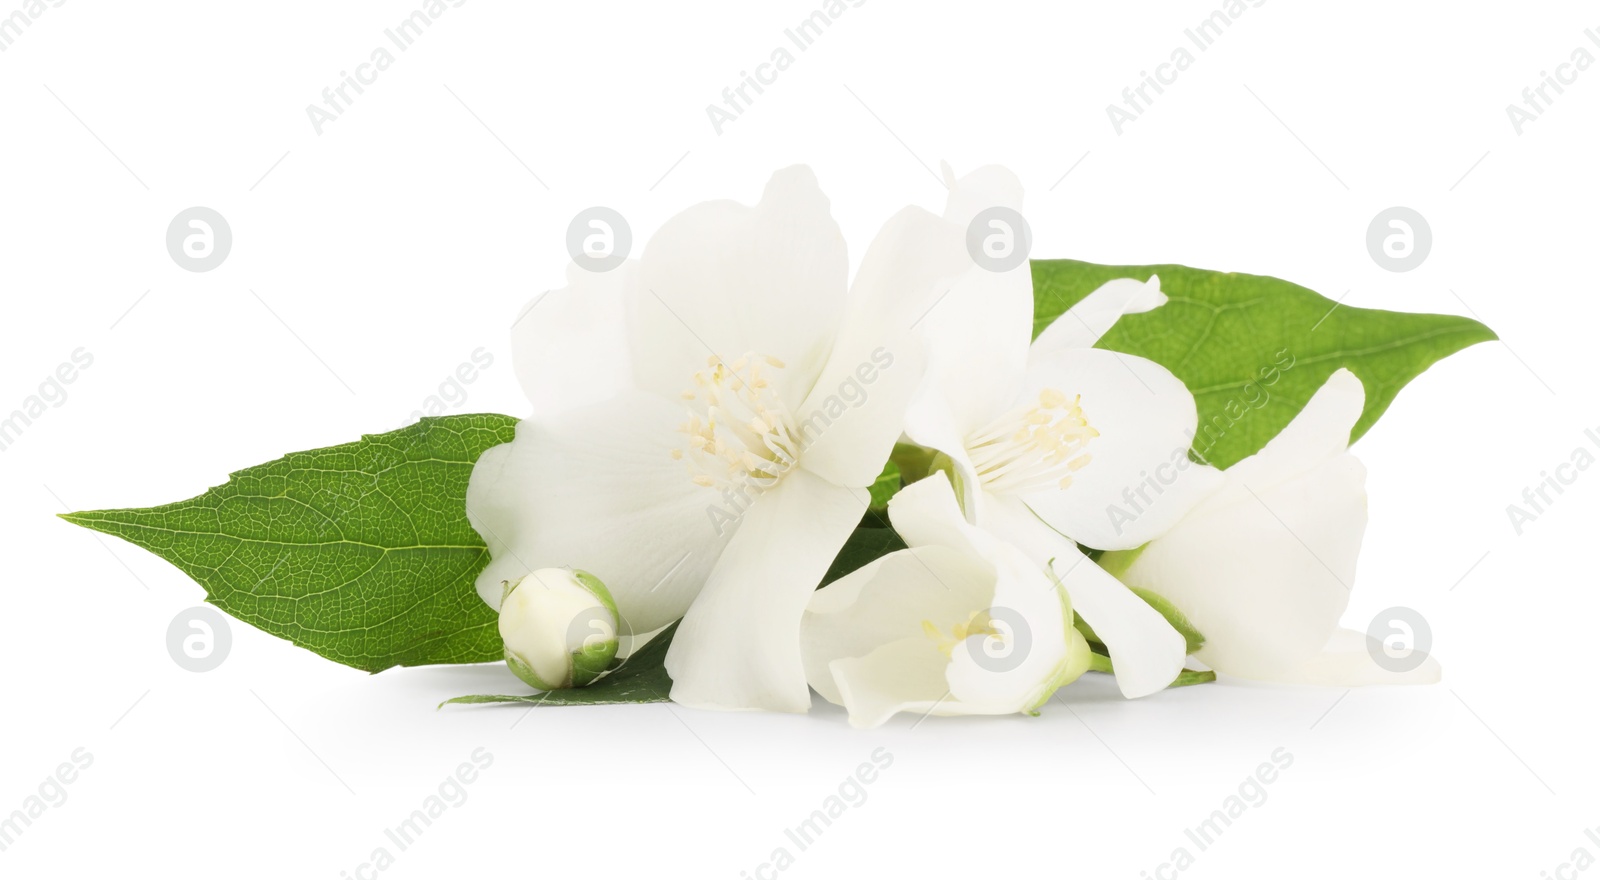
598, 588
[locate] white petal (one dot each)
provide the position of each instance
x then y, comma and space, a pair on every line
730, 279
1146, 652
597, 489
1010, 671
926, 515
931, 422
1346, 662
1082, 325
1265, 579
886, 601
570, 345
867, 639
902, 676
1320, 431
976, 334
877, 362
1139, 481
739, 645
976, 343
992, 186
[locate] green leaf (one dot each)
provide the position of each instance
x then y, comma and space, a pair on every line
865, 545
641, 678
885, 486
1254, 349
360, 552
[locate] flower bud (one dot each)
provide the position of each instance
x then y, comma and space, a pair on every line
559, 626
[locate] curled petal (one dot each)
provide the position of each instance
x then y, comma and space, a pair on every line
1091, 317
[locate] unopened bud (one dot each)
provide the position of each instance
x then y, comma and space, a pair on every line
559, 626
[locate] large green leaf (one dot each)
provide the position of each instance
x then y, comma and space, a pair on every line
641, 678
1254, 349
361, 552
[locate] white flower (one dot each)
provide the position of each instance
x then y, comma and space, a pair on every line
961, 623
1060, 442
706, 421
1264, 567
559, 627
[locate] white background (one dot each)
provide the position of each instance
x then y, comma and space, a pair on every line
409, 232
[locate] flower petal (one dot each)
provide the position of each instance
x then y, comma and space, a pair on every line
877, 362
1346, 662
1320, 431
1139, 480
739, 645
902, 676
1013, 668
926, 514
992, 186
976, 334
1022, 599
1146, 652
1082, 325
570, 346
975, 341
1267, 578
930, 422
729, 279
597, 489
886, 601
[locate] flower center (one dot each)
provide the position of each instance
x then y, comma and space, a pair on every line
739, 431
947, 642
1035, 446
